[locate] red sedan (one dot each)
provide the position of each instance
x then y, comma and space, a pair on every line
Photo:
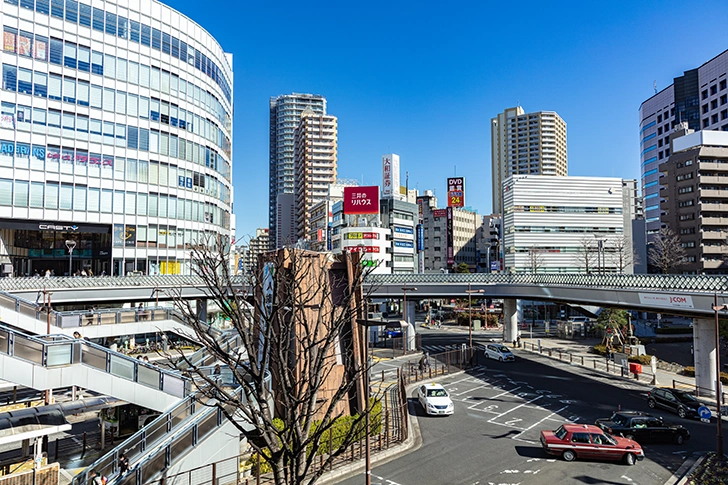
573, 441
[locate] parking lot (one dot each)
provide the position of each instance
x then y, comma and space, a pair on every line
500, 410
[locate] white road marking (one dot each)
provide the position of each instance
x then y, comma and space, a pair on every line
539, 422
626, 478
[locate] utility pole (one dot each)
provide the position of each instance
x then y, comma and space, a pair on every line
718, 393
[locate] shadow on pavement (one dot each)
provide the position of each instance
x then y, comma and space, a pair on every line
595, 481
532, 452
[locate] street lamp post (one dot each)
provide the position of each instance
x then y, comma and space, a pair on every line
470, 313
71, 245
719, 430
367, 449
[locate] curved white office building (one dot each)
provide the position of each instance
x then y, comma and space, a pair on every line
116, 134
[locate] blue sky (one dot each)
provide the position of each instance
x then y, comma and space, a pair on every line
423, 79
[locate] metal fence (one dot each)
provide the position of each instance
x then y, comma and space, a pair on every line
394, 431
694, 283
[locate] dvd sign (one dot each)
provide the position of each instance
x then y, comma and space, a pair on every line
361, 200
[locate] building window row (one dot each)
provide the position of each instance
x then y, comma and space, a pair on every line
70, 90
563, 209
117, 25
54, 159
79, 127
568, 229
76, 56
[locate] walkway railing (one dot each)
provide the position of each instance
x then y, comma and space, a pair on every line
690, 283
658, 282
60, 350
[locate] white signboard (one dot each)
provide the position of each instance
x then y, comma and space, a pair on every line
390, 175
669, 300
7, 121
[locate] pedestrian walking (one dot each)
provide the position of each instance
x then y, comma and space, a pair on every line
77, 335
518, 341
123, 463
217, 371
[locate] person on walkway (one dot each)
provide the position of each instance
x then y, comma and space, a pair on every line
77, 335
48, 273
123, 464
518, 341
217, 371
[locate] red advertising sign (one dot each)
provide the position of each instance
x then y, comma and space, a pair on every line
456, 192
363, 249
439, 213
361, 200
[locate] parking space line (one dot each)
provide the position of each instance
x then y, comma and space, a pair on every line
539, 422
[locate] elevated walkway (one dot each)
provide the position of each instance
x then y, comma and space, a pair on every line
32, 318
55, 361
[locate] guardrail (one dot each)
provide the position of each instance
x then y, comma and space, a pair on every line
60, 350
688, 283
162, 442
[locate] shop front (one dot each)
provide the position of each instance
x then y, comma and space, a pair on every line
55, 248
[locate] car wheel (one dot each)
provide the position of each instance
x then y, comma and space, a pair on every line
679, 439
500, 359
629, 437
629, 459
681, 412
569, 455
651, 403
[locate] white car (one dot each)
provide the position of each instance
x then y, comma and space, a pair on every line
435, 399
499, 352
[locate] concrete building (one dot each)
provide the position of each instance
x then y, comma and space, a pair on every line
449, 235
566, 225
247, 254
364, 234
400, 218
321, 216
285, 115
694, 198
315, 165
488, 238
116, 135
700, 98
533, 143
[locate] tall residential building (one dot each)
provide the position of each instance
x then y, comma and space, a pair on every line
285, 115
116, 135
694, 199
315, 160
566, 224
525, 143
248, 262
700, 98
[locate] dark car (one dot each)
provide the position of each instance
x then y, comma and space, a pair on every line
643, 427
680, 402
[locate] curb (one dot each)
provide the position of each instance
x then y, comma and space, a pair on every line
681, 475
412, 443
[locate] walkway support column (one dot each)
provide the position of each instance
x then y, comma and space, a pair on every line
704, 355
510, 320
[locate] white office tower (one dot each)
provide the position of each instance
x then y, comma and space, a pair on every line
566, 225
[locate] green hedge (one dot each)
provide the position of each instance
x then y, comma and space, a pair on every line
463, 320
339, 430
642, 359
690, 372
673, 330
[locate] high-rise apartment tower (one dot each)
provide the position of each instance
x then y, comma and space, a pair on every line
285, 115
315, 157
528, 144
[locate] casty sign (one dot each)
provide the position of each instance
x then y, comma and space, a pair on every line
361, 200
678, 301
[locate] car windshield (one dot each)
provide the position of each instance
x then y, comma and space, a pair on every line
685, 397
501, 349
436, 393
619, 419
560, 433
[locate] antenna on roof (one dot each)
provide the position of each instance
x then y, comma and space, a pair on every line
654, 85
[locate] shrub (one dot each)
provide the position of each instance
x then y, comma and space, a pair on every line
690, 372
642, 359
488, 320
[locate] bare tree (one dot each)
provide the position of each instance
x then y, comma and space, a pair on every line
586, 254
622, 253
299, 356
666, 251
535, 259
